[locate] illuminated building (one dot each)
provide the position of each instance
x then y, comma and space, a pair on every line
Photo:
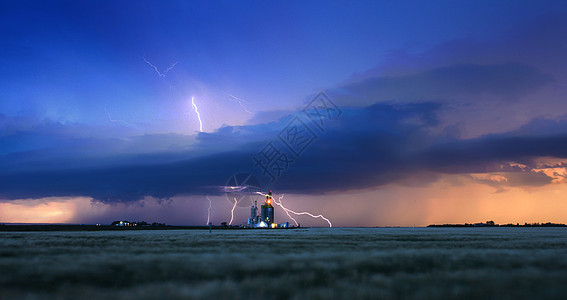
266, 218
267, 210
253, 215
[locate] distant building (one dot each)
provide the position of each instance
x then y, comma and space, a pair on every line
284, 225
266, 218
120, 223
253, 215
267, 210
488, 223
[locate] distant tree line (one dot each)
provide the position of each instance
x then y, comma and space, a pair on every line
548, 224
492, 224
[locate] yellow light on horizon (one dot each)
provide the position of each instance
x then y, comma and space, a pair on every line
48, 210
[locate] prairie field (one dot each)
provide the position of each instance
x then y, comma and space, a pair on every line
310, 263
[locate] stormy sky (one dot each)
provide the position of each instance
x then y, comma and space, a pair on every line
370, 113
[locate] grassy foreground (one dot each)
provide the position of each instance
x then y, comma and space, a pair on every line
336, 263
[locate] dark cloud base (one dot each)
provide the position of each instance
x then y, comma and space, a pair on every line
365, 147
368, 146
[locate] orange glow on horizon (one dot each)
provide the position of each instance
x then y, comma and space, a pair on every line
46, 210
451, 199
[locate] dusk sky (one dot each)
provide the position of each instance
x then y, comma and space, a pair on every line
436, 111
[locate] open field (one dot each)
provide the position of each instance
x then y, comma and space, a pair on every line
390, 263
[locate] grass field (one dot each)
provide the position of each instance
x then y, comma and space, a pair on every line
389, 263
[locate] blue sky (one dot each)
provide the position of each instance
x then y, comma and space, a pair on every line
66, 60
428, 90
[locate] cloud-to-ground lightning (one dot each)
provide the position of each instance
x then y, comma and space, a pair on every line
285, 209
209, 211
198, 114
116, 121
160, 74
298, 213
232, 211
240, 102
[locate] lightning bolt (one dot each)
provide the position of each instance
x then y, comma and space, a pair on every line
116, 121
209, 211
285, 209
156, 69
198, 115
233, 189
232, 211
298, 213
239, 101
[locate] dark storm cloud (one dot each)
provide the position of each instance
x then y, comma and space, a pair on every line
538, 42
127, 183
52, 159
486, 86
516, 179
507, 80
368, 146
353, 157
365, 147
476, 155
